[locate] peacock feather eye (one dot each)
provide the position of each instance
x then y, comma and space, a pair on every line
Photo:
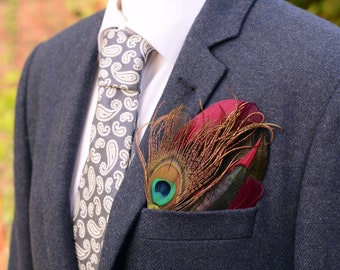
165, 185
162, 191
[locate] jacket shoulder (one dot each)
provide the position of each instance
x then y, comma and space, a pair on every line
80, 29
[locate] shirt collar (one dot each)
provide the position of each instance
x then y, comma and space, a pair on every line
163, 23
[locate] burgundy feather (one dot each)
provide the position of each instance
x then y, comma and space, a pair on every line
249, 194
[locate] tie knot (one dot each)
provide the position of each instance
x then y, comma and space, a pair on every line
122, 58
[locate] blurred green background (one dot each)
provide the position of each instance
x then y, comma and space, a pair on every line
25, 23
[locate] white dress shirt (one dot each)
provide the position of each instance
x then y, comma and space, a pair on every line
165, 25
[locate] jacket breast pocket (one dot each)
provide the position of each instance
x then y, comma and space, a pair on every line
192, 240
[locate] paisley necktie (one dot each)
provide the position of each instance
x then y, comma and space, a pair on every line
122, 58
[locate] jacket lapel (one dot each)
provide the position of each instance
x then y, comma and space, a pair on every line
67, 133
196, 76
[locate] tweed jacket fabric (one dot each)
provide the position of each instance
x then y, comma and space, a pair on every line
269, 52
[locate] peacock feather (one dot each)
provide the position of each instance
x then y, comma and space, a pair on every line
215, 161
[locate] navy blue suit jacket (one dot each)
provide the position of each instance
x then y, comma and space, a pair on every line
266, 51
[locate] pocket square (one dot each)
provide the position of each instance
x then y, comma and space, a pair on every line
215, 161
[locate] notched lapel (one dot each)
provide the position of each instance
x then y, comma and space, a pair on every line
194, 78
221, 20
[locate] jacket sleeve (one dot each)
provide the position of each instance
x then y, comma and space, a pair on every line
20, 251
317, 233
